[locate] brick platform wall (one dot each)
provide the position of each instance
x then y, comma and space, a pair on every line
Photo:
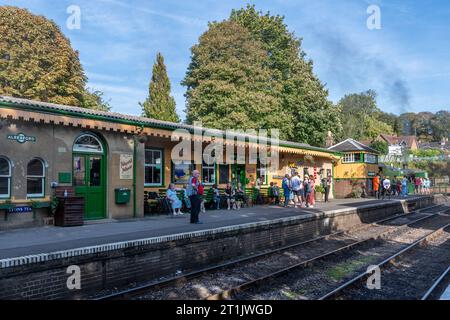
343, 188
138, 263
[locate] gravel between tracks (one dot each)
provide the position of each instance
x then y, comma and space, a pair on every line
217, 281
411, 275
330, 273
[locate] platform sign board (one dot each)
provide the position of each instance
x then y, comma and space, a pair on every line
21, 138
23, 209
126, 167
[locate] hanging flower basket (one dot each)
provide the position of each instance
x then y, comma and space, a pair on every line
309, 159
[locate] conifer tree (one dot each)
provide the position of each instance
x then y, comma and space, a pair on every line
160, 104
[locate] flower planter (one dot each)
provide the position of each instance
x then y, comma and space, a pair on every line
319, 196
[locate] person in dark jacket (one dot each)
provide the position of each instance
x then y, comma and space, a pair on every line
194, 195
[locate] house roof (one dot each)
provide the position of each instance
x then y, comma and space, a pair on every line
351, 145
435, 145
394, 140
51, 108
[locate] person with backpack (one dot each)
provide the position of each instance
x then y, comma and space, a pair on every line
286, 186
195, 192
297, 189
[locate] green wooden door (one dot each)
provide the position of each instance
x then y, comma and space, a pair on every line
239, 175
89, 182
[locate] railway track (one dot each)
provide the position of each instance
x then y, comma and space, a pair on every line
341, 240
269, 286
356, 287
438, 286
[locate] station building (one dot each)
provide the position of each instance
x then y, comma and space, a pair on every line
95, 153
357, 167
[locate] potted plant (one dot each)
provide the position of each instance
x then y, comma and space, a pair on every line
319, 193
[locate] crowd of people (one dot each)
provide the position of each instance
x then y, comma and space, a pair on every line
296, 190
383, 187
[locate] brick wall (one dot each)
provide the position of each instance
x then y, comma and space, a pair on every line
139, 261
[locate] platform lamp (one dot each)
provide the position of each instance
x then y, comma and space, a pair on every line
139, 136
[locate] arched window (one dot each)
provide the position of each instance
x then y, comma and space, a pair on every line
5, 178
35, 178
88, 143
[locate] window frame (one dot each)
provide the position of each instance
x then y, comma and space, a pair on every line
209, 167
79, 150
8, 177
161, 151
37, 195
348, 158
375, 157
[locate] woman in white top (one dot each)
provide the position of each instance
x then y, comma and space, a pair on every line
174, 201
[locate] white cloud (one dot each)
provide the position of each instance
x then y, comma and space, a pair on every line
174, 17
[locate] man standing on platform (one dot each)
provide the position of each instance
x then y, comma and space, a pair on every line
326, 184
192, 191
286, 185
297, 189
376, 186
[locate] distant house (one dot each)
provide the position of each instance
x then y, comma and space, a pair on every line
399, 144
444, 145
357, 166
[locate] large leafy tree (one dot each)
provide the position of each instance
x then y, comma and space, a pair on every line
299, 105
229, 83
302, 94
160, 104
440, 125
37, 62
94, 99
359, 116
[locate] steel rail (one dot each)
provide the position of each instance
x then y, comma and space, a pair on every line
198, 273
440, 280
362, 276
226, 294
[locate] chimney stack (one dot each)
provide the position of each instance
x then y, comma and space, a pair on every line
329, 141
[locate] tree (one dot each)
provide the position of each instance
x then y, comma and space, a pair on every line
439, 124
94, 100
392, 120
359, 116
229, 84
288, 94
303, 97
37, 62
160, 104
380, 146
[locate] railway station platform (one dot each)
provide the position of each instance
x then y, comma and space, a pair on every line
34, 262
39, 240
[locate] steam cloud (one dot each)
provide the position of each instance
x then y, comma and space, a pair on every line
349, 65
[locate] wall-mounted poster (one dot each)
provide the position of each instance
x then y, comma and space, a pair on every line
126, 167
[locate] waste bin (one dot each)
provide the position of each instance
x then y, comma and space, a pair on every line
123, 196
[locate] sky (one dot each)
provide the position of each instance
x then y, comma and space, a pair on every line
406, 61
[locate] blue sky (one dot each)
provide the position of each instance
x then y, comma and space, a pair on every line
406, 61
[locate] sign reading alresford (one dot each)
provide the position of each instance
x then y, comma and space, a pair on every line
21, 138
